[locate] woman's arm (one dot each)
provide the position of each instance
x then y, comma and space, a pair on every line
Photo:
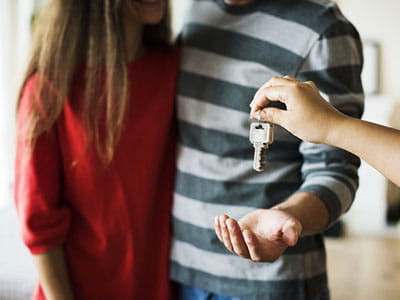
376, 144
53, 274
311, 118
38, 193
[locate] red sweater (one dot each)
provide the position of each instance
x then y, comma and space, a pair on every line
114, 222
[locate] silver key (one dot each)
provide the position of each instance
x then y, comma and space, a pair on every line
261, 136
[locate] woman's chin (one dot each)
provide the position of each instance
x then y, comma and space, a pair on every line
151, 12
151, 19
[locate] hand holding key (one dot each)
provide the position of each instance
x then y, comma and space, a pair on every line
308, 115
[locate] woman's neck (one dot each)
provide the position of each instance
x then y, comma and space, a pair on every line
133, 38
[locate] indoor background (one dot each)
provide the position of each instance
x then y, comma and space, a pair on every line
364, 252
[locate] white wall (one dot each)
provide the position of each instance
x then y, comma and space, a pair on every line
178, 9
377, 20
380, 20
14, 39
7, 60
367, 215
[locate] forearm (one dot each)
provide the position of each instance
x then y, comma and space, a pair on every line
53, 274
308, 209
377, 145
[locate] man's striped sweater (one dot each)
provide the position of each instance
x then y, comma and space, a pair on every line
228, 52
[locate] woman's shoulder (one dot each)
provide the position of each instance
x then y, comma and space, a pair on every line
30, 83
28, 90
35, 81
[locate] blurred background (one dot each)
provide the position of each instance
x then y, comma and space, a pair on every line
363, 249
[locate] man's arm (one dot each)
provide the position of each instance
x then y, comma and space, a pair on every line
308, 209
264, 234
329, 174
334, 64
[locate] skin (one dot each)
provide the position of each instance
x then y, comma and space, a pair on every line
263, 235
312, 119
138, 15
52, 265
53, 274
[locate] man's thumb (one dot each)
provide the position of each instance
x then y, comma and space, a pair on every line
291, 232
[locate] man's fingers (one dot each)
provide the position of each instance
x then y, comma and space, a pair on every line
218, 229
225, 233
251, 243
237, 239
291, 233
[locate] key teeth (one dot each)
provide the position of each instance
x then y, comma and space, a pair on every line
258, 170
259, 162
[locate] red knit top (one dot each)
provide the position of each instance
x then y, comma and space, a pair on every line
114, 222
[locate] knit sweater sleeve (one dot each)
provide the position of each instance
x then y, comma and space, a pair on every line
334, 63
43, 215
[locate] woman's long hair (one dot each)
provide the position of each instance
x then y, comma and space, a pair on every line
68, 33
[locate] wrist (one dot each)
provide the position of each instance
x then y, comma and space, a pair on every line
308, 210
292, 219
336, 128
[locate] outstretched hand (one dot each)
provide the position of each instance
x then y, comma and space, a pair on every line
262, 235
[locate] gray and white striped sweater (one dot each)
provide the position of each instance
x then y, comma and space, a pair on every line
228, 52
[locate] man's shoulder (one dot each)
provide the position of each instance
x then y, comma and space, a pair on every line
317, 15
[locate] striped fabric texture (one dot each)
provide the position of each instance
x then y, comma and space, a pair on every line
228, 52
